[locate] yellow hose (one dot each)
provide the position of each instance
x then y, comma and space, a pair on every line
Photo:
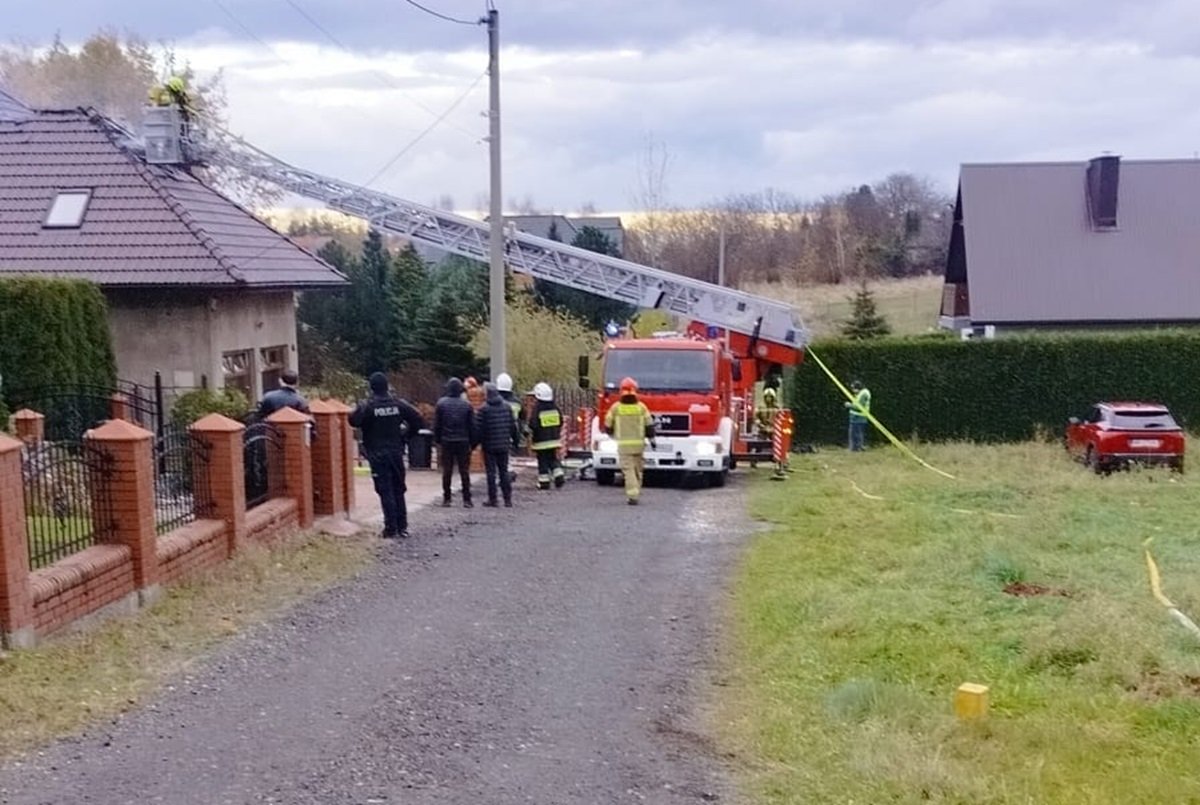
899, 445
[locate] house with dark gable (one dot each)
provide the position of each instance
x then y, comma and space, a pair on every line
1103, 243
198, 288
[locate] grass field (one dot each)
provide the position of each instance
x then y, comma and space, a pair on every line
856, 618
909, 305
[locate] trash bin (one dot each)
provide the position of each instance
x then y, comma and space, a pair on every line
420, 450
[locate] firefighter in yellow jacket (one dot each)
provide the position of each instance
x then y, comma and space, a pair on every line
630, 423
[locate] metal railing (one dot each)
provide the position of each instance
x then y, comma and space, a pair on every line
182, 491
262, 453
68, 499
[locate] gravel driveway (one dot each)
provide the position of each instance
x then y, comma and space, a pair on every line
558, 652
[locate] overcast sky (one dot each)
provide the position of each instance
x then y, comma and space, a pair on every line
803, 96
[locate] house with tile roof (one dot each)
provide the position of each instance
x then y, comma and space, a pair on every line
198, 288
1050, 245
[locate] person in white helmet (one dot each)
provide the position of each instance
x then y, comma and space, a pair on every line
545, 427
504, 384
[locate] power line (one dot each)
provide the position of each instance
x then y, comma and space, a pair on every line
381, 76
440, 15
387, 166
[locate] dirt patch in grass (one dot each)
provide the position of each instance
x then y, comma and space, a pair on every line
1023, 589
1154, 685
60, 687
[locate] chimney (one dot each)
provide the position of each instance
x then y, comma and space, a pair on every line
161, 130
1103, 176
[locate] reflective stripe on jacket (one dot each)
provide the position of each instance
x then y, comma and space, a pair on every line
862, 402
629, 423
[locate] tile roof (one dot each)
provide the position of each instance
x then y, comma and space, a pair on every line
145, 225
1032, 255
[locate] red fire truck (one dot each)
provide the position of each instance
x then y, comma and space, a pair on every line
700, 387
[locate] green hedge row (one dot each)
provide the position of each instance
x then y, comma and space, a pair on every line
1008, 389
53, 332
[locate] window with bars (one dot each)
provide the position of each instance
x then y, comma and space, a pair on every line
272, 361
236, 368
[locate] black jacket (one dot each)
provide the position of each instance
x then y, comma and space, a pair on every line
453, 418
282, 397
545, 425
387, 422
495, 425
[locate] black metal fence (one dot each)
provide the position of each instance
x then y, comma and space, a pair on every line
68, 499
262, 452
182, 491
72, 409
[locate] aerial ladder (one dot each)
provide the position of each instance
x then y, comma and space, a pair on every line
760, 333
766, 321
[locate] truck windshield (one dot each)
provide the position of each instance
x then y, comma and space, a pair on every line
661, 369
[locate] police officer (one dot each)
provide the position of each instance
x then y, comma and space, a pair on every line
386, 422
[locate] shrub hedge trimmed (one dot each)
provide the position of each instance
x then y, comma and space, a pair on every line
1008, 389
54, 332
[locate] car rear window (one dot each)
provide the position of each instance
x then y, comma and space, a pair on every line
1143, 420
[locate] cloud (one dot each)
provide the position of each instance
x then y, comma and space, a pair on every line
808, 97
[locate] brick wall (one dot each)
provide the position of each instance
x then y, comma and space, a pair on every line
192, 548
131, 561
83, 583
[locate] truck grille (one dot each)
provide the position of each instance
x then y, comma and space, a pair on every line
673, 424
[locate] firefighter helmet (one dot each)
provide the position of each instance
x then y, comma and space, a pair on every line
176, 84
628, 385
543, 392
504, 382
769, 396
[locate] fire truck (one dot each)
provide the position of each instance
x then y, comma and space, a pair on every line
699, 385
700, 389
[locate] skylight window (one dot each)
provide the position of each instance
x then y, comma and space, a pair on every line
67, 210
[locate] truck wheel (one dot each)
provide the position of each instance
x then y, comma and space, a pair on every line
606, 477
717, 479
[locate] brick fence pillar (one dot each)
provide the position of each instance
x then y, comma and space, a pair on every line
30, 426
349, 451
118, 407
16, 598
297, 460
131, 485
226, 473
328, 455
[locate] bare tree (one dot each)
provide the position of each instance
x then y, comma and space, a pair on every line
650, 197
113, 73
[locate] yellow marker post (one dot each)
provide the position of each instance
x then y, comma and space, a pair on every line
971, 701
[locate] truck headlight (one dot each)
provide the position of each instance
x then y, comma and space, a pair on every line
706, 449
607, 446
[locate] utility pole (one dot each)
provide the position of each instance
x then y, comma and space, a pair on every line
498, 355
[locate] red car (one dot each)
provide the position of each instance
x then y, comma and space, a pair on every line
1119, 434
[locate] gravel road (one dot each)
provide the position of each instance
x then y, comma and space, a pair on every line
558, 652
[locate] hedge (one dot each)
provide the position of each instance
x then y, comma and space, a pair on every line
52, 333
1008, 389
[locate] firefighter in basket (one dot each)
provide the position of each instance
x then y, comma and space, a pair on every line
545, 428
